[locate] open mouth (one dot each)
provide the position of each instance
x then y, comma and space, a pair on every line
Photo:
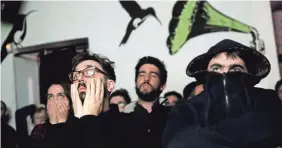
80, 89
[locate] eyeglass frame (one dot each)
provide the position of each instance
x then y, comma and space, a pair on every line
83, 70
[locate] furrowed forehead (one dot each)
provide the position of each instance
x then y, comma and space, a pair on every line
87, 64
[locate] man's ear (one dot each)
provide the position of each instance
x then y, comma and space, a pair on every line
163, 87
110, 85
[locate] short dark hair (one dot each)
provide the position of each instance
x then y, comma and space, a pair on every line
107, 64
188, 89
153, 61
121, 92
277, 85
173, 93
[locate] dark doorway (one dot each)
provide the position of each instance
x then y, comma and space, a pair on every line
55, 61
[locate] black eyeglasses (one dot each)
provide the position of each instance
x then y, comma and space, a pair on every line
87, 72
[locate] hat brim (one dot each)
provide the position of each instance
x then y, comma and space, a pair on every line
261, 64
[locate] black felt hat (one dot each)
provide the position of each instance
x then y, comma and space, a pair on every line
256, 63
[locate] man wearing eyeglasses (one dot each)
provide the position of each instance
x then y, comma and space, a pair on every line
97, 124
93, 79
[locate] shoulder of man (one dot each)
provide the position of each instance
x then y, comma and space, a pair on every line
267, 98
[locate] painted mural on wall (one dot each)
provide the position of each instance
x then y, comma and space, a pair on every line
138, 16
194, 18
16, 35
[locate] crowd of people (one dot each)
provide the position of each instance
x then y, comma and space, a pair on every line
221, 109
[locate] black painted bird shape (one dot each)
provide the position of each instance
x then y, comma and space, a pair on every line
138, 16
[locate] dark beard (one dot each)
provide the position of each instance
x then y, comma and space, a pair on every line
82, 94
150, 96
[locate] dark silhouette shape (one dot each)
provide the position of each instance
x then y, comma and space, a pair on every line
138, 16
20, 25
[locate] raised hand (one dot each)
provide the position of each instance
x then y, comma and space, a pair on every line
51, 110
62, 105
94, 99
76, 102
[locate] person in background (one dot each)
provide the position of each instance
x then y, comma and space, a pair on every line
146, 118
278, 89
121, 98
58, 110
38, 116
8, 133
172, 97
192, 89
58, 102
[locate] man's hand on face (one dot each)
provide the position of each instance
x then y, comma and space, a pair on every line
94, 99
51, 110
62, 106
76, 102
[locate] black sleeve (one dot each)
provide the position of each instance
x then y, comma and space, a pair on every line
93, 132
21, 124
62, 135
100, 131
179, 117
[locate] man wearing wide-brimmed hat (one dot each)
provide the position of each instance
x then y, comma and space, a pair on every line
230, 111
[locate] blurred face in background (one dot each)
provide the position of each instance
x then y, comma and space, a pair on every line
120, 101
171, 100
39, 117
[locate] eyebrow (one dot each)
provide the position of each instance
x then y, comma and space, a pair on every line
57, 93
216, 64
237, 65
149, 72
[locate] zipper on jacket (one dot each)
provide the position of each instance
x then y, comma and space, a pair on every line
226, 96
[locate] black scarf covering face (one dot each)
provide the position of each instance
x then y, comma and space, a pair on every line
229, 112
228, 95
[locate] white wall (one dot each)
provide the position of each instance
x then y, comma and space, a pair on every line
7, 76
27, 81
8, 87
105, 23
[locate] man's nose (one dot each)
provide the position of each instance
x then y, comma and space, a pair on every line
225, 70
147, 77
81, 78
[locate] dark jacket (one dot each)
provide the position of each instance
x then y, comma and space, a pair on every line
226, 114
111, 129
142, 129
8, 136
21, 125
